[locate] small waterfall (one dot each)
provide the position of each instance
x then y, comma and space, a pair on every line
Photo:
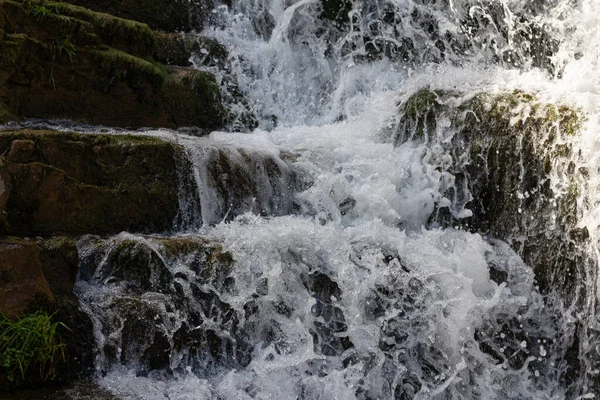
413, 218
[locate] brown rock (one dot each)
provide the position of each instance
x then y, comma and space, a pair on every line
59, 260
78, 183
5, 188
21, 151
22, 279
99, 71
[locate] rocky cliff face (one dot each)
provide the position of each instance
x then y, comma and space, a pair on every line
65, 61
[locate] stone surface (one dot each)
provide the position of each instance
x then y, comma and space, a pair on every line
78, 183
40, 275
5, 189
65, 61
515, 168
22, 280
165, 15
147, 286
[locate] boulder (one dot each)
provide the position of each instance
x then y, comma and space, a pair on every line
65, 61
79, 183
5, 189
151, 280
510, 161
164, 15
40, 275
23, 281
513, 167
179, 48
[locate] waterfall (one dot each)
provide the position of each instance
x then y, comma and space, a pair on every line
414, 217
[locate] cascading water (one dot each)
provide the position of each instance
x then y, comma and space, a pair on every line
309, 263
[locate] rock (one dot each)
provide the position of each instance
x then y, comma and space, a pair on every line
40, 275
64, 61
5, 189
337, 11
5, 114
179, 48
160, 308
165, 15
22, 278
496, 133
21, 151
191, 92
514, 167
59, 260
78, 183
174, 49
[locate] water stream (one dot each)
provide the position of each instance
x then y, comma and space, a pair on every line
306, 263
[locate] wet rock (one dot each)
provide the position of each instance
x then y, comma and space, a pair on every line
79, 183
21, 151
184, 49
189, 92
244, 181
514, 167
495, 134
165, 302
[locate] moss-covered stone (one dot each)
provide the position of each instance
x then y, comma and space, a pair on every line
152, 279
81, 183
5, 114
506, 148
165, 15
191, 92
179, 48
64, 61
126, 35
515, 168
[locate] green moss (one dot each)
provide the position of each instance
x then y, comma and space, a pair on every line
421, 109
420, 103
134, 70
126, 35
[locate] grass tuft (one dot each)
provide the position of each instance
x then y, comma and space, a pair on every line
31, 343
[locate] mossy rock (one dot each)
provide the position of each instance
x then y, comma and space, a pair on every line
126, 35
153, 278
43, 273
514, 167
190, 92
5, 114
79, 183
505, 150
70, 62
179, 48
164, 15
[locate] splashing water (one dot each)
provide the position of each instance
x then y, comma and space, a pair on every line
339, 286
